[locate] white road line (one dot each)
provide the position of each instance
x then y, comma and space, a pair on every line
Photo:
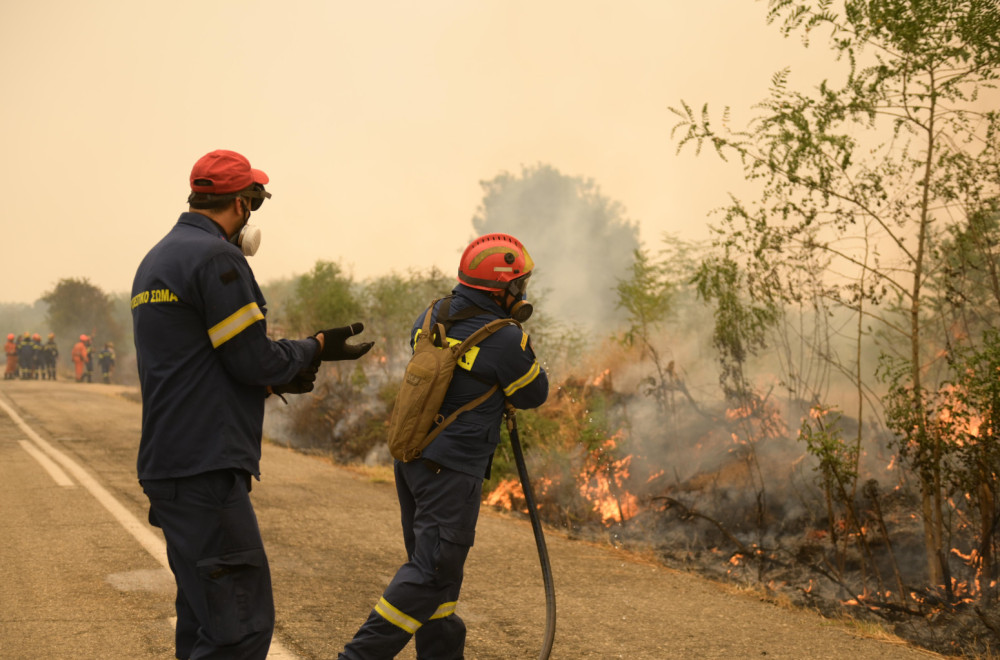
54, 471
142, 532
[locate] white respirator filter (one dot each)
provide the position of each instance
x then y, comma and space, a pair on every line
249, 240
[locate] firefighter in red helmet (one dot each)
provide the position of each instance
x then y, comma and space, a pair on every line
440, 492
37, 356
500, 265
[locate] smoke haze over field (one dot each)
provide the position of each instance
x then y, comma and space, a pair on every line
580, 241
372, 120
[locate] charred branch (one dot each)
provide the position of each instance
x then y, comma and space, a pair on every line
988, 621
686, 513
871, 491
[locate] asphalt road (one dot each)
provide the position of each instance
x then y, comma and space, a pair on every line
83, 575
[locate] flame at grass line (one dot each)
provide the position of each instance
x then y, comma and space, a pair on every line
505, 494
599, 379
604, 486
601, 483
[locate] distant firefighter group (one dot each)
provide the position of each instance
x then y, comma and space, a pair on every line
29, 359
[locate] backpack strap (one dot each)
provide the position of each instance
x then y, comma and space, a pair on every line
482, 333
473, 339
436, 333
442, 423
445, 320
448, 319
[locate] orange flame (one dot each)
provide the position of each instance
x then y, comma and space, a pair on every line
598, 489
505, 494
600, 377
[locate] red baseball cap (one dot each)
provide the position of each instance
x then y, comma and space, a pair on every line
221, 172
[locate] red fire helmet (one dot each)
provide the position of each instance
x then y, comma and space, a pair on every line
493, 261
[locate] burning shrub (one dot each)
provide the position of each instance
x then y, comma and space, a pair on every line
581, 474
345, 416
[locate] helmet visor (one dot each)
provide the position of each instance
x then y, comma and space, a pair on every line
519, 286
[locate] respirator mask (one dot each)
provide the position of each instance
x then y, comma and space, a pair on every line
247, 239
521, 310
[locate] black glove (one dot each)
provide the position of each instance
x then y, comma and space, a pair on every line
335, 346
300, 384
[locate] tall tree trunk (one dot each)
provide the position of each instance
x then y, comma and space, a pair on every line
987, 515
931, 477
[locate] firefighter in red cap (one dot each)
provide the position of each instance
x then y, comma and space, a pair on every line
81, 356
205, 366
10, 349
440, 493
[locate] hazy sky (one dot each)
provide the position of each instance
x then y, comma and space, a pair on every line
375, 121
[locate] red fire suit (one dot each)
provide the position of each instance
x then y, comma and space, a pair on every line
10, 348
80, 354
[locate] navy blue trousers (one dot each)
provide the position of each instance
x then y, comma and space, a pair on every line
439, 510
225, 608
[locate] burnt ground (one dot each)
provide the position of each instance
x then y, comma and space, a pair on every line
797, 573
332, 536
788, 559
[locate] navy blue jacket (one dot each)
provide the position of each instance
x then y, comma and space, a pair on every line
203, 354
505, 358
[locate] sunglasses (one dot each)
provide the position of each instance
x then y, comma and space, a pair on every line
256, 195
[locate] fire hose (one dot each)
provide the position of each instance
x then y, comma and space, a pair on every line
536, 528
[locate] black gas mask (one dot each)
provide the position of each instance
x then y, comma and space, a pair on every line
520, 310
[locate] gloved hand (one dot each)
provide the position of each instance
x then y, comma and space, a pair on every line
335, 346
302, 382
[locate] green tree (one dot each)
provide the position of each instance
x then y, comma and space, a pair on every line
324, 297
580, 240
645, 296
868, 170
18, 318
393, 301
966, 276
78, 307
278, 293
745, 311
971, 410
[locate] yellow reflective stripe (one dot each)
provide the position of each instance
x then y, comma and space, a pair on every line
523, 380
466, 359
444, 609
396, 617
234, 324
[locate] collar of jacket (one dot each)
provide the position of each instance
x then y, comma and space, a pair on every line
480, 299
202, 222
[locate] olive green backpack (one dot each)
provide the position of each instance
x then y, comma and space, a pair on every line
416, 419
